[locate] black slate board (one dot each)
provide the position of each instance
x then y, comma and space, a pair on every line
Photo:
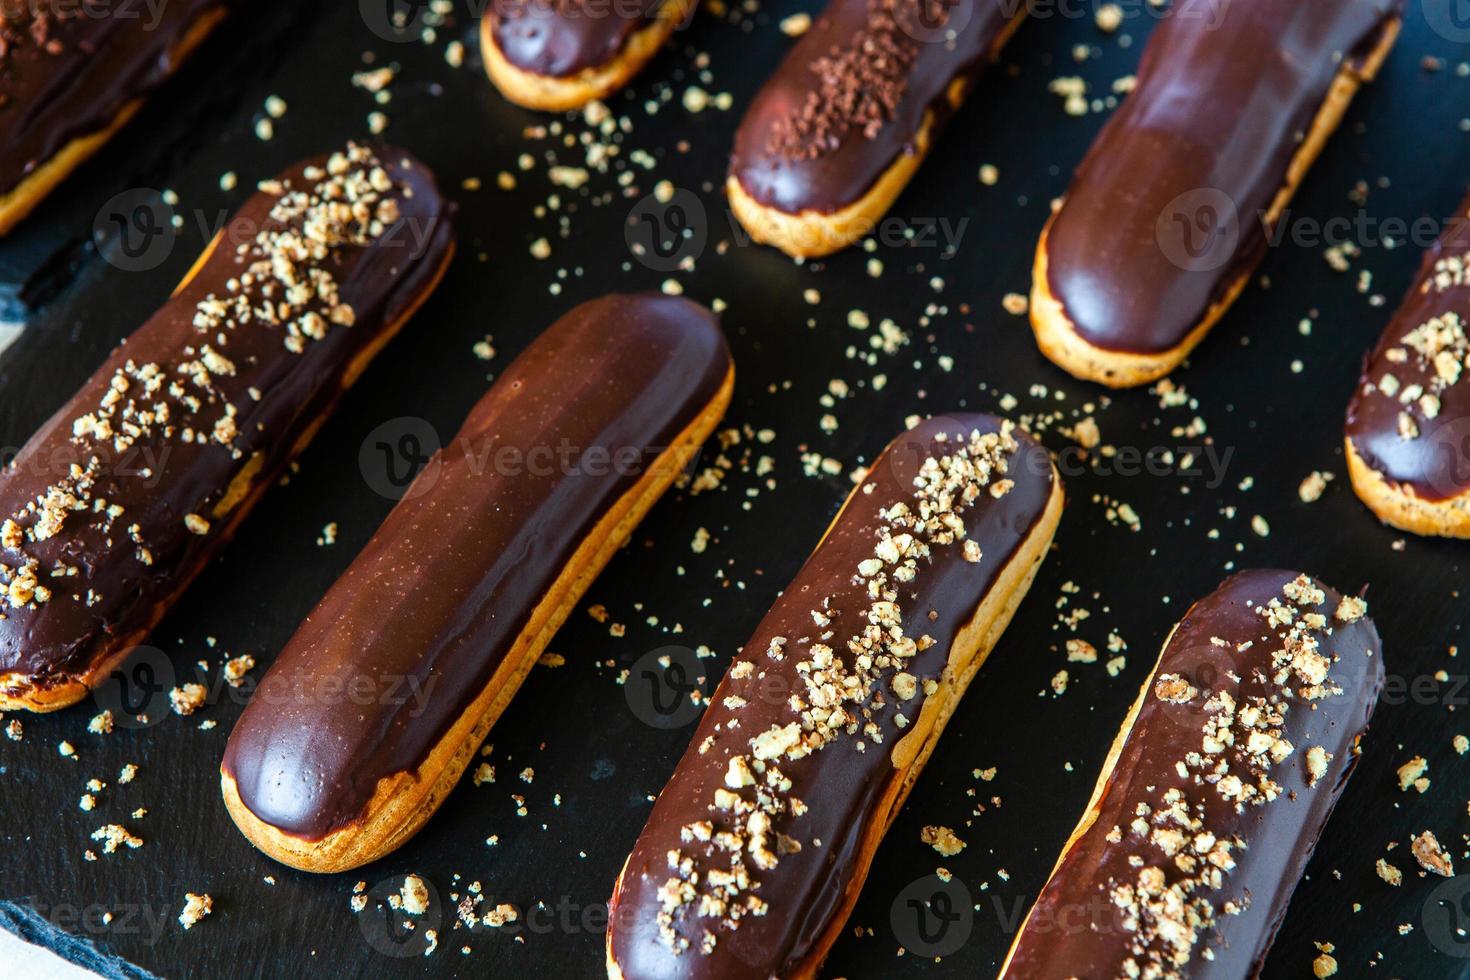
574, 725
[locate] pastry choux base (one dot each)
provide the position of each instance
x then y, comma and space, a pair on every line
1398, 506
20, 691
971, 647
402, 803
549, 94
21, 199
1057, 336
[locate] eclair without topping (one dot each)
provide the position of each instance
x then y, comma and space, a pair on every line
1168, 214
556, 55
439, 619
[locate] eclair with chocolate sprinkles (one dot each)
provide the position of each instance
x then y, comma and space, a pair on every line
757, 848
837, 132
135, 484
1170, 211
439, 620
72, 74
555, 55
1408, 424
1215, 792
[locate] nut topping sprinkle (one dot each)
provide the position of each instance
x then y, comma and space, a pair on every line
1176, 895
860, 84
285, 285
846, 685
1437, 349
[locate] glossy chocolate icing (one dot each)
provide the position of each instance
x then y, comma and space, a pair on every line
1224, 97
439, 595
559, 38
1435, 462
1075, 930
68, 68
841, 786
278, 397
849, 165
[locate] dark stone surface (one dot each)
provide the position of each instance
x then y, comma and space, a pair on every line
573, 725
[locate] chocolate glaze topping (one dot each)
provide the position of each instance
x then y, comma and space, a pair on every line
117, 500
560, 38
1243, 744
440, 594
1164, 214
1410, 416
67, 69
761, 830
852, 96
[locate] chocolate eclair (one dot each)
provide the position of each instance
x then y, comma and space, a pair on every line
1215, 792
128, 491
438, 621
1408, 424
72, 73
1170, 210
555, 55
836, 133
757, 847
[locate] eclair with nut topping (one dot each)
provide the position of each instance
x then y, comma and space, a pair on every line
128, 491
556, 55
837, 132
1408, 424
758, 846
469, 577
72, 74
1169, 213
1215, 792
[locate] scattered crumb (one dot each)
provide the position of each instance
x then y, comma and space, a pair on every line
188, 699
1431, 857
196, 907
415, 895
1314, 486
942, 839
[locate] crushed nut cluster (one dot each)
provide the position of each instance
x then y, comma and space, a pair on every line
1168, 906
35, 24
860, 84
841, 692
1438, 348
284, 285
